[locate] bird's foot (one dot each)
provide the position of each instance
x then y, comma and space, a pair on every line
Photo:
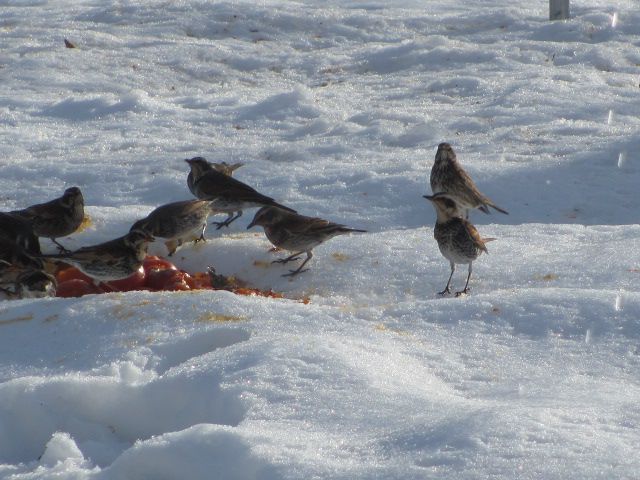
219, 225
286, 260
463, 292
293, 273
445, 291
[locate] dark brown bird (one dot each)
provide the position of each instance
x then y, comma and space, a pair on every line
15, 254
17, 230
177, 222
458, 240
57, 218
222, 167
448, 176
111, 260
228, 195
296, 233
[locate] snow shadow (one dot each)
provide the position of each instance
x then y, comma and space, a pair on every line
182, 350
107, 415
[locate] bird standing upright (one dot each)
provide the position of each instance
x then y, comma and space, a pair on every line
228, 195
177, 222
296, 233
458, 240
448, 176
57, 218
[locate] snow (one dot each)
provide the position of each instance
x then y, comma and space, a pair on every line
336, 109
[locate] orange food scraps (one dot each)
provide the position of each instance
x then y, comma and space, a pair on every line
156, 274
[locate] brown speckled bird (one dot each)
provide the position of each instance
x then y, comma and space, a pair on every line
111, 260
57, 218
448, 176
458, 240
177, 222
22, 274
296, 233
26, 282
229, 195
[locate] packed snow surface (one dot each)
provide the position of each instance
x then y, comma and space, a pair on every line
336, 109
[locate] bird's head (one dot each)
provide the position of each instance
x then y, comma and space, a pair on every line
198, 165
445, 153
446, 207
71, 197
267, 215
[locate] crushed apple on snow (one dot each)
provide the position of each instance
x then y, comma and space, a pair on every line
156, 274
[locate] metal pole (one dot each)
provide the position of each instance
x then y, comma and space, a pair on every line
558, 9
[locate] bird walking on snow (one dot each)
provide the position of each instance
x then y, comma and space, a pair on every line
112, 260
296, 233
177, 222
57, 218
458, 240
228, 195
448, 176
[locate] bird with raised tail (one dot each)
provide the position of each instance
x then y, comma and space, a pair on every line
448, 176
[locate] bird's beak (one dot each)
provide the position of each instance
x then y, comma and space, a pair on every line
252, 224
428, 197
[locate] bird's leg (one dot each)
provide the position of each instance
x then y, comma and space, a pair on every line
61, 249
290, 258
172, 246
299, 269
447, 289
201, 238
466, 285
227, 221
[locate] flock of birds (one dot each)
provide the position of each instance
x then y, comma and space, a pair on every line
25, 270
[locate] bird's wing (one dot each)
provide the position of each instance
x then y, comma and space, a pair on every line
215, 184
475, 236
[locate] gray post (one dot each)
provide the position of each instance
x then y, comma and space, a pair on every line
558, 9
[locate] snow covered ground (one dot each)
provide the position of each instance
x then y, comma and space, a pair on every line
336, 108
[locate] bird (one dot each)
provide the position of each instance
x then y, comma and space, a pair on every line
231, 196
296, 233
112, 260
177, 222
22, 274
14, 253
222, 167
16, 230
458, 240
58, 218
26, 282
448, 176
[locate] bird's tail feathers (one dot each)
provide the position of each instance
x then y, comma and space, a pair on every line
494, 206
